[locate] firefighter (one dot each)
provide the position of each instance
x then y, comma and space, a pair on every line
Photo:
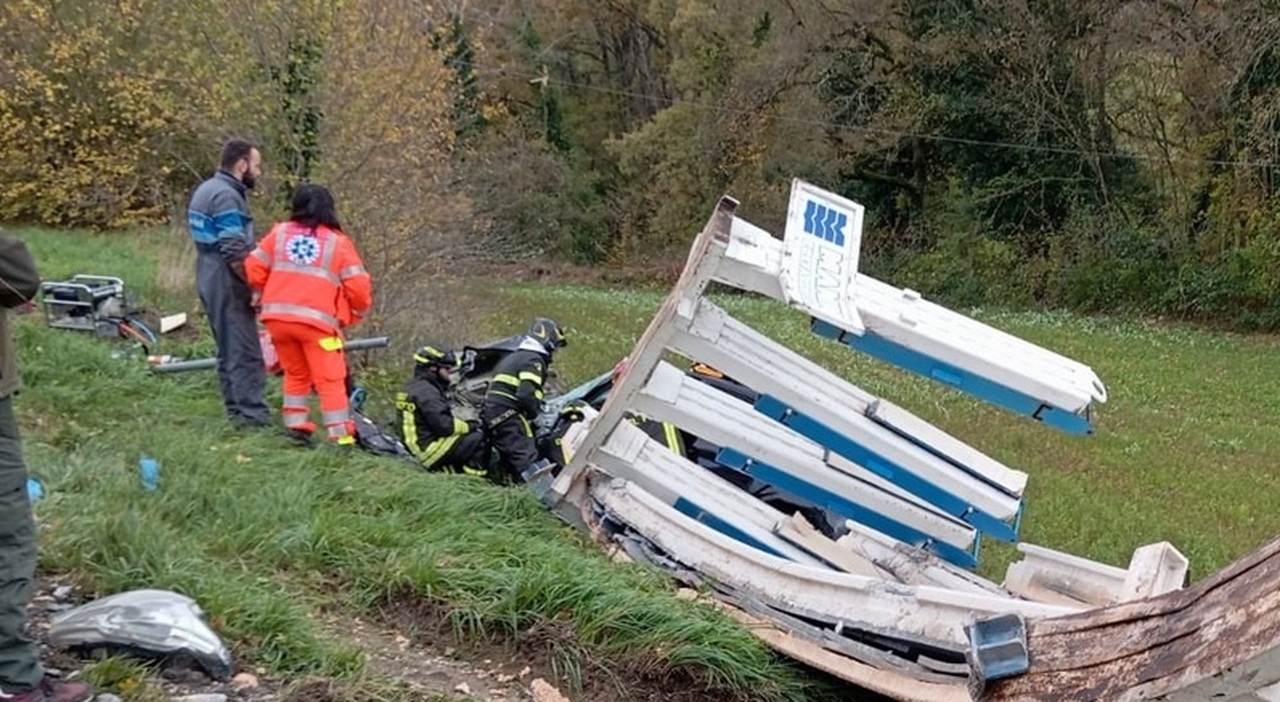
514, 399
313, 285
669, 435
674, 438
427, 426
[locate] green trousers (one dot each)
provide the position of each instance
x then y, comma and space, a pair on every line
19, 657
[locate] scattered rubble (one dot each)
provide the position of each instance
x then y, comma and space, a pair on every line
392, 654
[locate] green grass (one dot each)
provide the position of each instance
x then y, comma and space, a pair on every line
1187, 448
264, 536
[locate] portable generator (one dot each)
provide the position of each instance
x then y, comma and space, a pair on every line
92, 303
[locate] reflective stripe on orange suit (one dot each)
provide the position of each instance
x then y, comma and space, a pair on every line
313, 285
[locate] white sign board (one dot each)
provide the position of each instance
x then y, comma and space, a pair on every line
820, 255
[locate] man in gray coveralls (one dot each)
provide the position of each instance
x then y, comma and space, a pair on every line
222, 228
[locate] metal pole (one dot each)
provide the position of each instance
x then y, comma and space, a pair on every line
206, 363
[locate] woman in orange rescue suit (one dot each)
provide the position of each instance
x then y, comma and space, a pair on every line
312, 285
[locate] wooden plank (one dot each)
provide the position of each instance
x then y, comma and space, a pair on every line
979, 464
752, 358
1221, 635
929, 615
717, 417
797, 530
914, 566
897, 658
893, 684
699, 268
170, 322
630, 454
1154, 570
1053, 576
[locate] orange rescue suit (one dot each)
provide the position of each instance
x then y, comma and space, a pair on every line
313, 285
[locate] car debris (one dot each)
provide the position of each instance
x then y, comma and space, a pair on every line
156, 624
890, 601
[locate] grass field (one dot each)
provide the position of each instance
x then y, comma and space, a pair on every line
1187, 448
268, 537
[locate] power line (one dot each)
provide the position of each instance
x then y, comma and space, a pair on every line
547, 80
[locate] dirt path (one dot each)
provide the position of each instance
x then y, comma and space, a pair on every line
408, 644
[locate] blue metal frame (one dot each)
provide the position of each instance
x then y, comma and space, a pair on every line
845, 507
691, 509
960, 379
942, 456
824, 436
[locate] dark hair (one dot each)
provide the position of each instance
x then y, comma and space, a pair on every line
233, 151
313, 206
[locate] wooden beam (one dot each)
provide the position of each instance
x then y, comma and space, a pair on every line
698, 271
721, 419
928, 615
797, 530
894, 684
748, 356
1219, 639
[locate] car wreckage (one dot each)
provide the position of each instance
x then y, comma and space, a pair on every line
842, 529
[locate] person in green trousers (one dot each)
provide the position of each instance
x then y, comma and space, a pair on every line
22, 678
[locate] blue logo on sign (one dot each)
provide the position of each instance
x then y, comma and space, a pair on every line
825, 223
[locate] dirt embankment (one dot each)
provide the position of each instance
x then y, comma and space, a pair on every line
411, 653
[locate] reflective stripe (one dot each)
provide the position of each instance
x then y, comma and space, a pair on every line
478, 472
296, 402
351, 272
505, 379
437, 449
338, 431
326, 243
303, 269
531, 377
500, 393
321, 268
432, 452
460, 427
409, 424
538, 393
296, 420
672, 435
524, 424
261, 255
335, 416
299, 311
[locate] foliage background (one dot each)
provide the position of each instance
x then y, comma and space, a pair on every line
1094, 155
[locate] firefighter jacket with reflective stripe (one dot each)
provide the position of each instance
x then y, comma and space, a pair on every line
312, 276
666, 433
518, 380
427, 425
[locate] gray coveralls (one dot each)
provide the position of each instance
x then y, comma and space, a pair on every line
222, 228
20, 667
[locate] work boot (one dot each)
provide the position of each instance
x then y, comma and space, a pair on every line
52, 690
298, 437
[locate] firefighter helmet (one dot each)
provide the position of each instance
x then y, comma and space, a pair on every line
548, 333
434, 354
